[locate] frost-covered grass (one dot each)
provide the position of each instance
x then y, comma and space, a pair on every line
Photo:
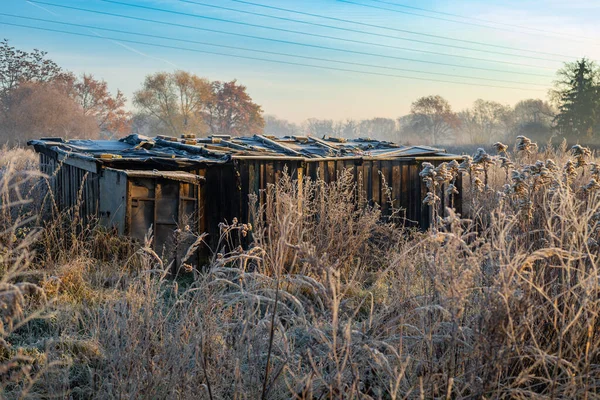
327, 303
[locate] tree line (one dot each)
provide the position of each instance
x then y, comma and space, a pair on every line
571, 112
432, 121
39, 98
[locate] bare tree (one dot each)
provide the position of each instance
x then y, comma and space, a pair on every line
486, 121
433, 116
350, 128
178, 100
378, 128
280, 127
319, 127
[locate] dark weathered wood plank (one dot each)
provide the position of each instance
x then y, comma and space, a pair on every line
396, 183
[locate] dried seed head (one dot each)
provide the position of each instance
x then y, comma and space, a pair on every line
525, 145
482, 158
525, 208
595, 170
500, 147
453, 167
592, 186
579, 150
520, 187
427, 171
451, 190
570, 171
431, 199
443, 174
505, 163
545, 176
478, 185
466, 165
581, 154
551, 166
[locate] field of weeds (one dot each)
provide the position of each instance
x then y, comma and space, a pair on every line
328, 302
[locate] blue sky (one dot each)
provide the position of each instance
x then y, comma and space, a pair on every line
562, 29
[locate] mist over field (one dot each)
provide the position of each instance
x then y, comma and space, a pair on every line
240, 199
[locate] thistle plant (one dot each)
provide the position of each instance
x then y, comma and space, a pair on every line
467, 165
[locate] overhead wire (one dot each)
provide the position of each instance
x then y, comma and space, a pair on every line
454, 21
330, 18
285, 41
314, 34
477, 19
269, 60
91, 28
298, 21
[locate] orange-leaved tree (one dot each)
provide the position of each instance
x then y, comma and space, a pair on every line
231, 111
96, 101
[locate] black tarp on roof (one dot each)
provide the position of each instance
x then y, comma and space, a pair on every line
219, 149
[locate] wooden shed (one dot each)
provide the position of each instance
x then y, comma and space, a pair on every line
138, 183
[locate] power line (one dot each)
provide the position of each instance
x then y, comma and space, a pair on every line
280, 40
381, 35
91, 28
398, 30
268, 60
478, 19
315, 35
451, 20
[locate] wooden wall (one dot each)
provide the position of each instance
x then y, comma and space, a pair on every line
73, 188
225, 194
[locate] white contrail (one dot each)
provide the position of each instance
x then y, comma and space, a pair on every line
134, 50
129, 48
43, 8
